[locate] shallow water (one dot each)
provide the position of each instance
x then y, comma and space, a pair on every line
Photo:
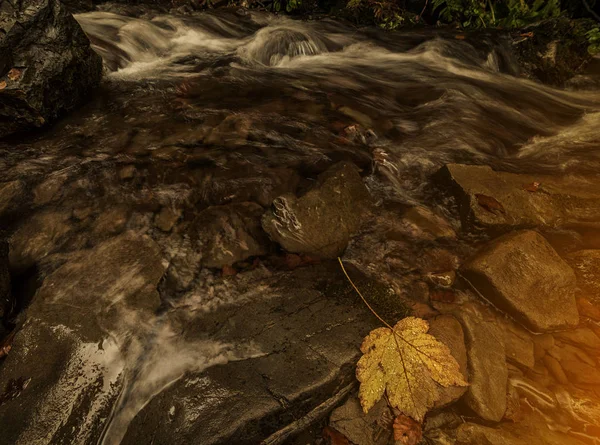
222, 106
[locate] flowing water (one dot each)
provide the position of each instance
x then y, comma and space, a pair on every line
223, 106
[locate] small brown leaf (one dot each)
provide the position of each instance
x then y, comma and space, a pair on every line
489, 203
460, 37
334, 437
3, 84
407, 431
443, 295
527, 34
14, 74
228, 271
533, 187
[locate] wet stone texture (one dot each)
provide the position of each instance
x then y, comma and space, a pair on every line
501, 201
47, 66
321, 222
307, 343
521, 274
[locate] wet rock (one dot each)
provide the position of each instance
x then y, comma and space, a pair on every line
581, 336
228, 234
541, 344
166, 219
501, 201
555, 369
488, 374
62, 349
518, 343
6, 300
586, 264
47, 68
11, 197
112, 221
321, 222
307, 336
231, 132
185, 263
426, 224
449, 331
546, 55
587, 309
534, 429
521, 274
49, 190
39, 236
124, 270
360, 428
474, 434
127, 172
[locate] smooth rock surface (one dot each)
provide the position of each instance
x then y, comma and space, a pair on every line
565, 201
321, 222
62, 357
488, 374
449, 331
47, 65
360, 428
521, 274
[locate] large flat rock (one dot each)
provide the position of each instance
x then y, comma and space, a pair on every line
521, 274
232, 361
501, 200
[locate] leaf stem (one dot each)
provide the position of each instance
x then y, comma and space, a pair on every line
361, 296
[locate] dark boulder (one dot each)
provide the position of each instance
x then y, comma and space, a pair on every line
47, 66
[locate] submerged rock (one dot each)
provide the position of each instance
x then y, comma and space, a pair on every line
11, 197
520, 273
501, 201
47, 65
37, 237
321, 222
228, 234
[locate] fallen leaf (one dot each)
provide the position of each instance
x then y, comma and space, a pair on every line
527, 34
14, 74
408, 365
533, 187
228, 271
3, 84
460, 37
6, 345
407, 431
334, 437
443, 295
489, 203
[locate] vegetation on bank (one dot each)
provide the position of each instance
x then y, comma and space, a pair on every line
463, 14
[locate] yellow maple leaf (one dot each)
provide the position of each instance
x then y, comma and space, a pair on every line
408, 364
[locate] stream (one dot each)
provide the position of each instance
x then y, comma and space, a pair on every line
227, 106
